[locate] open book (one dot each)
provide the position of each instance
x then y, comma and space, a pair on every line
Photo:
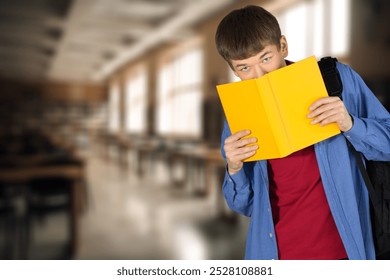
274, 107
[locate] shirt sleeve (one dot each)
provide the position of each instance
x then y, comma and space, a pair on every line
370, 133
237, 188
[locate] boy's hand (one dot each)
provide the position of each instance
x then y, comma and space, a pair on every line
330, 110
236, 150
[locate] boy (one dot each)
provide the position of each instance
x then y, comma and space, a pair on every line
312, 204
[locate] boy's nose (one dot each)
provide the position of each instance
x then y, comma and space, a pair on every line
259, 72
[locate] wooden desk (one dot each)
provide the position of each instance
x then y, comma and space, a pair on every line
40, 159
205, 173
23, 175
201, 157
144, 150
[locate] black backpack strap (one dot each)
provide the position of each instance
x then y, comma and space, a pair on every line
331, 76
371, 190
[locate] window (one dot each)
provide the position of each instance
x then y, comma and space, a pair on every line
179, 95
340, 27
316, 27
294, 22
113, 118
136, 101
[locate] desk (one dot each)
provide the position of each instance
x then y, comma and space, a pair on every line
205, 171
22, 175
144, 150
198, 157
39, 159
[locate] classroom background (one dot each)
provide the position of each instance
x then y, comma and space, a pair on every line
110, 120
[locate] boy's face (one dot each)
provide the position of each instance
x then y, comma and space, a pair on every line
269, 59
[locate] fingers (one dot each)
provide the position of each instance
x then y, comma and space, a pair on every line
237, 149
325, 112
330, 110
236, 136
241, 153
236, 142
323, 101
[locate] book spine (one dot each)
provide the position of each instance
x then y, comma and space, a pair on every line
274, 115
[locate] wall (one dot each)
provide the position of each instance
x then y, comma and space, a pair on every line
370, 42
370, 45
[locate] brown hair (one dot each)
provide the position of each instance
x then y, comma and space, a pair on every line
245, 32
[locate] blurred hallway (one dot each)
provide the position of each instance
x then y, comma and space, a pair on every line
119, 96
159, 215
145, 218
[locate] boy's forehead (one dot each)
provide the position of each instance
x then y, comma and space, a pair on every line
267, 49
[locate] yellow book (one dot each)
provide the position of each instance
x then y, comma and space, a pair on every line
275, 107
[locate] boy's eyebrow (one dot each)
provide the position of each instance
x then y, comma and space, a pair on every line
264, 54
240, 65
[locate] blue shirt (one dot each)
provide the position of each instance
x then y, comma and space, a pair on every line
246, 192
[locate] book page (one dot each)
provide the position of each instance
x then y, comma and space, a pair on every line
245, 110
296, 87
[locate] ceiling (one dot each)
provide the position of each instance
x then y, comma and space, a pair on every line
86, 40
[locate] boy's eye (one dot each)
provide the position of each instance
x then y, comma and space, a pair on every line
267, 59
244, 69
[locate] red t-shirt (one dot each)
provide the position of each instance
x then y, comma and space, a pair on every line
304, 226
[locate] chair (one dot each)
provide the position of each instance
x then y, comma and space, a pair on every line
47, 197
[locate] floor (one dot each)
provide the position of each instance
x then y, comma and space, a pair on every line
128, 217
